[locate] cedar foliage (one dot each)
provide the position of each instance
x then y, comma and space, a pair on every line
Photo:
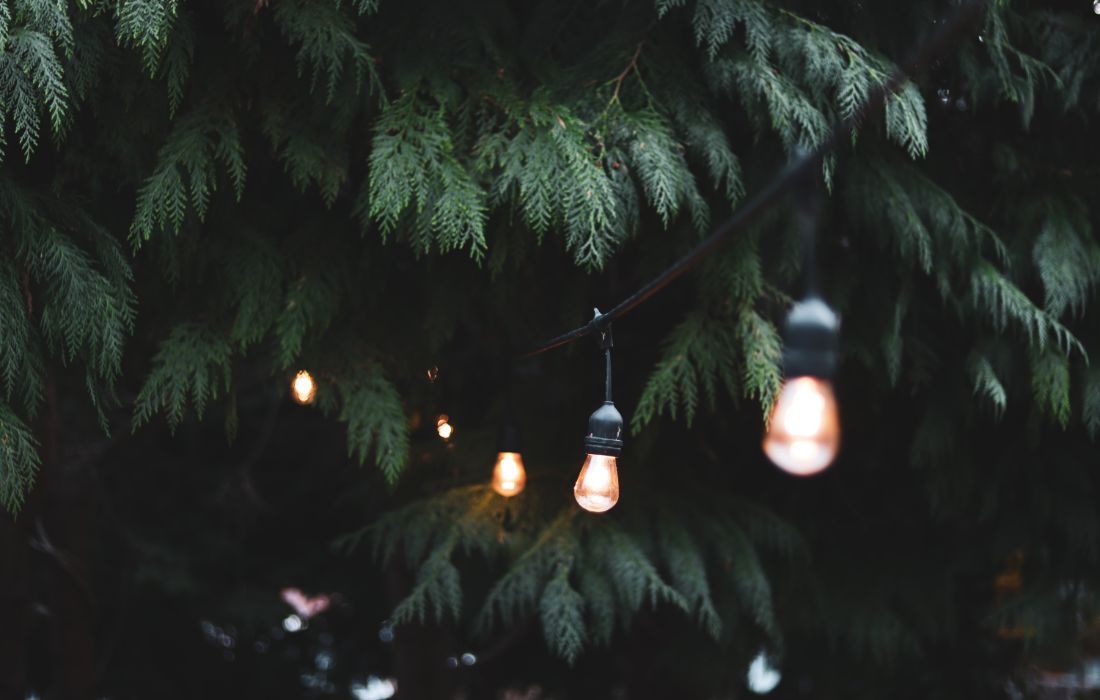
268, 198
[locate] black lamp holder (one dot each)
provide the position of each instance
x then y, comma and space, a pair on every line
605, 425
810, 339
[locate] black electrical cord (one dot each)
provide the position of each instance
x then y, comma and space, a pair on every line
603, 326
806, 165
807, 196
607, 375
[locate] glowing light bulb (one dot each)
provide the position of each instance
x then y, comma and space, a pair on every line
597, 487
443, 426
804, 432
509, 476
303, 388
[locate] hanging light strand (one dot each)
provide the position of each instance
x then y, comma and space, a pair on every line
597, 487
803, 434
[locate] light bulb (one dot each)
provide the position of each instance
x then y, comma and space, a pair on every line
509, 476
303, 388
443, 426
804, 433
597, 487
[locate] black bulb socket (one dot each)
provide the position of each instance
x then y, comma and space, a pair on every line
605, 431
810, 339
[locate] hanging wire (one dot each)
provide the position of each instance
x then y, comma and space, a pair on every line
607, 375
602, 324
805, 165
807, 205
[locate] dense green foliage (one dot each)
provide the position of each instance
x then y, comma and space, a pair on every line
199, 200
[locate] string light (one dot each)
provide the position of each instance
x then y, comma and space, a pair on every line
443, 426
597, 487
509, 476
302, 388
808, 405
803, 433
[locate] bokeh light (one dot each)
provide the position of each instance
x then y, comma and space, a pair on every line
762, 678
443, 426
303, 388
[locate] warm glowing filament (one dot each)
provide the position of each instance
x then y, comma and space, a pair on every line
303, 388
597, 487
806, 414
509, 476
804, 433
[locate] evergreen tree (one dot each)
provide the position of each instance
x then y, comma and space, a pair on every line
199, 200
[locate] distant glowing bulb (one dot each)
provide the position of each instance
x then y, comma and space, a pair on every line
292, 623
762, 678
443, 426
597, 487
509, 476
303, 388
804, 432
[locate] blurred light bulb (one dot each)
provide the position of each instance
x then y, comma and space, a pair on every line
509, 476
375, 689
804, 433
597, 487
303, 388
443, 426
762, 678
292, 623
